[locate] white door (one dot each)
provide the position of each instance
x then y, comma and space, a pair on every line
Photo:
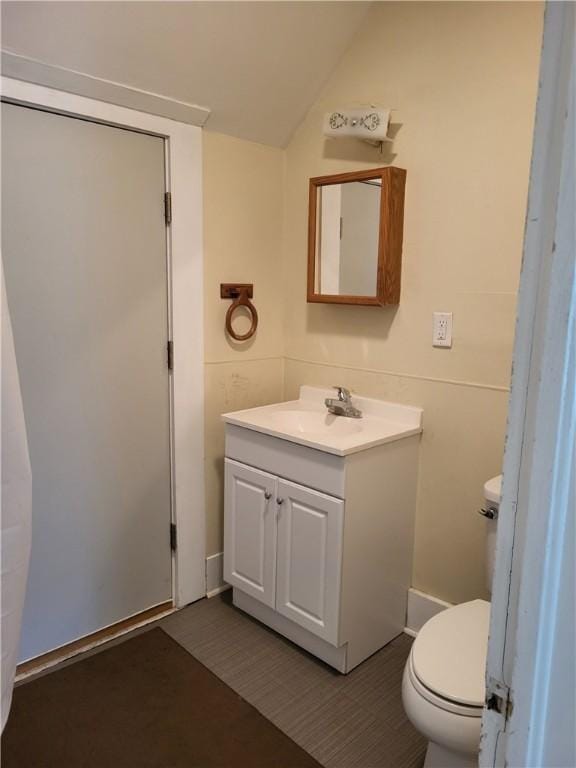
84, 249
309, 558
250, 531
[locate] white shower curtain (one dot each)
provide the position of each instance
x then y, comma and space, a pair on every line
16, 510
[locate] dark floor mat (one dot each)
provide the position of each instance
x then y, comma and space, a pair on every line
145, 703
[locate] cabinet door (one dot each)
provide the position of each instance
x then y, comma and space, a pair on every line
309, 558
250, 531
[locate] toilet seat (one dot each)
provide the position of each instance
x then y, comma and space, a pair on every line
438, 701
448, 658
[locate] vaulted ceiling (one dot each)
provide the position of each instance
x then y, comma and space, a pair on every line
258, 66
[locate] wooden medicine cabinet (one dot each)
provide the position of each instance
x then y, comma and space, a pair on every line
355, 224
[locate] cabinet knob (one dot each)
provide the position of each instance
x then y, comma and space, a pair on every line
279, 501
267, 495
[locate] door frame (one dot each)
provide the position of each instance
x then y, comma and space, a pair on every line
528, 605
183, 164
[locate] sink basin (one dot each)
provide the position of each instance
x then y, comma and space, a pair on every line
313, 423
307, 422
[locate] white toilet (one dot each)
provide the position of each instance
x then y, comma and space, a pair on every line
443, 686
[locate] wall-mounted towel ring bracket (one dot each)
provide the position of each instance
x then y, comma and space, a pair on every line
241, 293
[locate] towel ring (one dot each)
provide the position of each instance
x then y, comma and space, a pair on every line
241, 293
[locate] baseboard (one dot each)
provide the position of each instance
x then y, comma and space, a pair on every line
214, 579
421, 607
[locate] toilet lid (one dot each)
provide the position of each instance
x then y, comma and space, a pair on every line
449, 653
493, 489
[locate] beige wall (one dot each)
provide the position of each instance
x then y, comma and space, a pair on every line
243, 210
462, 77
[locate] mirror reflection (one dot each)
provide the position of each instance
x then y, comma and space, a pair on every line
347, 232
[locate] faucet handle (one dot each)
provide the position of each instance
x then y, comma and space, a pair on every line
344, 394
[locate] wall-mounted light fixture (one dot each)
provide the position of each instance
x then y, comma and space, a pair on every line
369, 124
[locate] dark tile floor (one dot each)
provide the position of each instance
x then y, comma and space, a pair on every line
344, 721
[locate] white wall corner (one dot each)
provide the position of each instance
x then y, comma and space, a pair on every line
214, 575
421, 607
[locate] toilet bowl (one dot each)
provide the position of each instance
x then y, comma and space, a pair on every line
443, 686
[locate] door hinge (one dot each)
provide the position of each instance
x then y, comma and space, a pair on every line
173, 537
498, 698
168, 207
170, 355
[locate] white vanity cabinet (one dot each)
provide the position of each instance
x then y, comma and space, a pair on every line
250, 531
318, 528
283, 547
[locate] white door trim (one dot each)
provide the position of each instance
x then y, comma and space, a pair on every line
538, 462
19, 67
184, 181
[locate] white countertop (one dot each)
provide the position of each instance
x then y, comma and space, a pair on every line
306, 421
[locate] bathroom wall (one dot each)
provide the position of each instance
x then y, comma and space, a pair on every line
243, 224
462, 80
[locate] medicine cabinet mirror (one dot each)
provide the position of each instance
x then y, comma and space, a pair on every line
355, 223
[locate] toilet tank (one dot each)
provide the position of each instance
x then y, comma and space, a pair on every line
492, 493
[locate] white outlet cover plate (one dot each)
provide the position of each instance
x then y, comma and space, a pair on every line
442, 329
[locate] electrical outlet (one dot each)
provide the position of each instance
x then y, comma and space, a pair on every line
442, 333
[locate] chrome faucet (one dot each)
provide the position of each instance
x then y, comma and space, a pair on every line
342, 405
